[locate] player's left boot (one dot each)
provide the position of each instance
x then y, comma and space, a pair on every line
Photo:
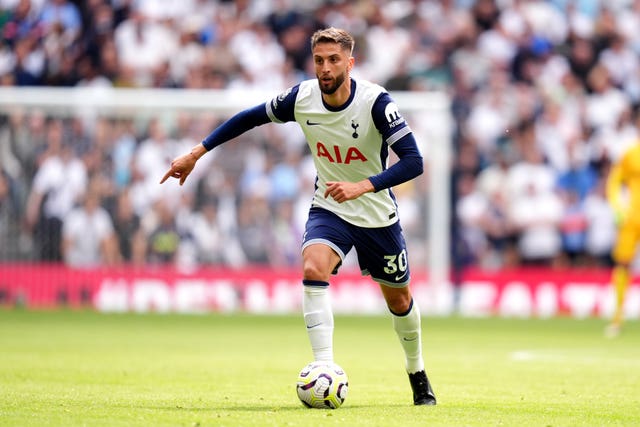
422, 391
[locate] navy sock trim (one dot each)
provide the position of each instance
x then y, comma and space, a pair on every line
315, 283
406, 312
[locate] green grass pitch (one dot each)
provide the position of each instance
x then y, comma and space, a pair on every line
77, 368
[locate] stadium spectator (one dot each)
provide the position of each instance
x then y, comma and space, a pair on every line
143, 47
152, 152
258, 53
501, 233
491, 179
254, 226
497, 45
531, 168
163, 237
606, 103
10, 163
620, 61
122, 154
213, 245
287, 234
9, 209
27, 141
191, 53
627, 21
582, 57
601, 227
493, 112
485, 14
536, 215
559, 137
58, 185
470, 210
128, 230
21, 22
387, 46
579, 178
573, 228
88, 238
535, 210
546, 20
62, 14
29, 60
610, 142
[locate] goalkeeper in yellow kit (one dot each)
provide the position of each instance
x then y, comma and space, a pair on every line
623, 192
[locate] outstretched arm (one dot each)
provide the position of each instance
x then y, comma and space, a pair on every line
182, 166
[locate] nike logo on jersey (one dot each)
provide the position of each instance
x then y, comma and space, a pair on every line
310, 123
313, 326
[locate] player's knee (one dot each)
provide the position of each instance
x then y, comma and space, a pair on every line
312, 271
399, 303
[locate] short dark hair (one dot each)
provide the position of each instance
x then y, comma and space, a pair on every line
333, 35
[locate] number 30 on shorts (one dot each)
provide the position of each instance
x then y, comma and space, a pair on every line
396, 263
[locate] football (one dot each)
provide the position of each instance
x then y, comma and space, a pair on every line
322, 385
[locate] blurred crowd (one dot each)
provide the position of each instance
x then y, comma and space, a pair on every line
545, 96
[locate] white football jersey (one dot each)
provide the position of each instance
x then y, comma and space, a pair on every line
349, 143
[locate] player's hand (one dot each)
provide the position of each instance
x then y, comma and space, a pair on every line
342, 191
180, 168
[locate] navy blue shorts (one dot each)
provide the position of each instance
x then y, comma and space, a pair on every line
382, 252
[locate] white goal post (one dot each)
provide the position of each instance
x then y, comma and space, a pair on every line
429, 114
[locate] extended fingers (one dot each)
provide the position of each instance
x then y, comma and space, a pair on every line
173, 173
166, 176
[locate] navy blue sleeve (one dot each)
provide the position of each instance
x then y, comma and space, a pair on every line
237, 125
409, 165
397, 134
281, 108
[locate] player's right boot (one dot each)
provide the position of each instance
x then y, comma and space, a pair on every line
422, 392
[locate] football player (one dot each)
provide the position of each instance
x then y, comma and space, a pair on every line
350, 125
623, 193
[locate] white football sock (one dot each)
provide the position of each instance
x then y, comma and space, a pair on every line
318, 317
407, 327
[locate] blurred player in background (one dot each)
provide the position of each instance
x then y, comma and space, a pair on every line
349, 126
623, 192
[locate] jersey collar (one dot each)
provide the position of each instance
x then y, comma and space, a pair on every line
347, 103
